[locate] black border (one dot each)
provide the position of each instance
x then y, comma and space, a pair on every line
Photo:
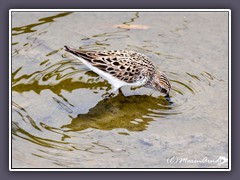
147, 169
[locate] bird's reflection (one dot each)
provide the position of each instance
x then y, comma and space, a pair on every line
128, 112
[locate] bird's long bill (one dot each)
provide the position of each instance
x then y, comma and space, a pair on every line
167, 97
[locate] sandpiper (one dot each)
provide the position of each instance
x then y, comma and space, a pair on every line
124, 68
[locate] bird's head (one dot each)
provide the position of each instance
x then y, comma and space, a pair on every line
161, 83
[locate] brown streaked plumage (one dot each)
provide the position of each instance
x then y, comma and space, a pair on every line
124, 68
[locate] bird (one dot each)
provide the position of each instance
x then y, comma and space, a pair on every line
124, 68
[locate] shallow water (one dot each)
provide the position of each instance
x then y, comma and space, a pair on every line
61, 120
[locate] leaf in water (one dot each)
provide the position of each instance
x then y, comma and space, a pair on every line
131, 26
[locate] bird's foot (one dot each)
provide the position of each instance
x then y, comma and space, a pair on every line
107, 96
110, 94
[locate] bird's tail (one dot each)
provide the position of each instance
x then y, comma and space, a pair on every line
67, 48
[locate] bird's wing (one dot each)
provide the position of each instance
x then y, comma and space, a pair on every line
124, 65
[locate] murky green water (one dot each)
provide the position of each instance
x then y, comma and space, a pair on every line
61, 120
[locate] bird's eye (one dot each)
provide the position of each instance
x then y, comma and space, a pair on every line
164, 90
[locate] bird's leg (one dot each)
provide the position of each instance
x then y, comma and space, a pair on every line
114, 89
120, 91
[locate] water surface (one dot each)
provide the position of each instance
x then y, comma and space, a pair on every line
60, 118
